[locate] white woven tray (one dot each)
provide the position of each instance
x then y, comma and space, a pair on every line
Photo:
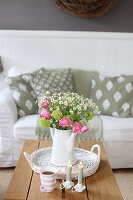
40, 159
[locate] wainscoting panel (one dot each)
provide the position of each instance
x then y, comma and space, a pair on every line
110, 53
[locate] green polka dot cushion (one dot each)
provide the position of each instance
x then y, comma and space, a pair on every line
23, 94
113, 95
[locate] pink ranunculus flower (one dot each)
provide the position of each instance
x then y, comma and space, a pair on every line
77, 127
84, 129
45, 104
65, 122
46, 114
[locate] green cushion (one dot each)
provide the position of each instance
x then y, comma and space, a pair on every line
81, 80
23, 94
43, 80
113, 95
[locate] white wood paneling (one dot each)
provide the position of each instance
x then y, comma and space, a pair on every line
111, 53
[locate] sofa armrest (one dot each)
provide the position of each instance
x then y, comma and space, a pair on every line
8, 113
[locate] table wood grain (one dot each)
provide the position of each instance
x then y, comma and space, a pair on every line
25, 184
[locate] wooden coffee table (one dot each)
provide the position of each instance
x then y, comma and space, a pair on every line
25, 184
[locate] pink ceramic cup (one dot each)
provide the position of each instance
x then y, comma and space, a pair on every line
48, 180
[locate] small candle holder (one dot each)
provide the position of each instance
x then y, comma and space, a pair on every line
78, 188
66, 184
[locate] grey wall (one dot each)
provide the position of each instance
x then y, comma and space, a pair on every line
45, 15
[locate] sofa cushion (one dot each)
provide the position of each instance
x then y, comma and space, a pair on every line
117, 129
41, 81
23, 94
25, 127
114, 129
81, 80
113, 95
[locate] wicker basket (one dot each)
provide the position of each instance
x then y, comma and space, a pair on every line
85, 8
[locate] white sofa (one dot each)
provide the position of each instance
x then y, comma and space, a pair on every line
110, 52
117, 135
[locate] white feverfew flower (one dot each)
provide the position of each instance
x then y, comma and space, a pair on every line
60, 102
52, 100
74, 108
51, 109
82, 103
65, 103
78, 112
71, 111
47, 92
57, 107
51, 121
93, 106
85, 107
79, 108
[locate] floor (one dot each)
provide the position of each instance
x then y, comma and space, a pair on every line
124, 179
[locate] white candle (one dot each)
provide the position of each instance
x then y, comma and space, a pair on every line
69, 169
80, 173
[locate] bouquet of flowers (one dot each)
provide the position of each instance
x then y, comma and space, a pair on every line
65, 111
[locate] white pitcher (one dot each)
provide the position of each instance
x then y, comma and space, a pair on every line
63, 149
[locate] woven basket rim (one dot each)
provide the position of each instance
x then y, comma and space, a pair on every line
86, 8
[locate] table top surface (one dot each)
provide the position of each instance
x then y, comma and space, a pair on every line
25, 184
